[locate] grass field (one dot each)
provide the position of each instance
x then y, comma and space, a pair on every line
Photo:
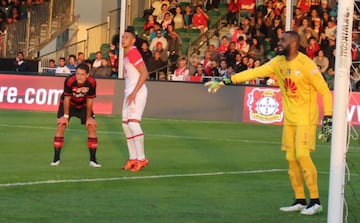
198, 172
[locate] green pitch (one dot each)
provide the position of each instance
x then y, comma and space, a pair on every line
198, 172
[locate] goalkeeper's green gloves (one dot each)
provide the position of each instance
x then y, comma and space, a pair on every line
326, 129
214, 86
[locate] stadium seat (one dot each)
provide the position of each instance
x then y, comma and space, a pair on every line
194, 34
223, 8
138, 21
183, 4
92, 56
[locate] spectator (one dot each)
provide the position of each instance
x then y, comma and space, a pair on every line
97, 61
304, 5
62, 69
174, 44
214, 69
224, 45
260, 28
194, 63
156, 66
223, 68
200, 20
312, 48
52, 67
172, 6
188, 15
163, 52
161, 16
317, 28
104, 70
145, 53
181, 73
238, 64
199, 71
157, 5
166, 21
150, 22
242, 46
158, 39
72, 63
178, 18
80, 58
256, 49
214, 54
206, 62
233, 8
321, 61
212, 5
114, 61
231, 53
323, 42
323, 8
297, 19
330, 29
20, 64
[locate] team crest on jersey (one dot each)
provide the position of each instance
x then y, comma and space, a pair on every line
79, 92
265, 105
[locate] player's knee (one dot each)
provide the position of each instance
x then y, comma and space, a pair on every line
135, 128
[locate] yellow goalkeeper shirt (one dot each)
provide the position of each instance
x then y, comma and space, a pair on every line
300, 82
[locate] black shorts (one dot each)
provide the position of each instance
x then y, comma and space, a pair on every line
77, 112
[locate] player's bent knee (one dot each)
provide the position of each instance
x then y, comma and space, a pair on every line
135, 127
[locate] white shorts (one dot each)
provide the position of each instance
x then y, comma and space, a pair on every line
135, 110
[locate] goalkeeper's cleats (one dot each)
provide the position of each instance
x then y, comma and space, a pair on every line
139, 165
94, 164
298, 205
312, 209
129, 164
55, 163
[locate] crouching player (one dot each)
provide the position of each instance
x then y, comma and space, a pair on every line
300, 82
77, 101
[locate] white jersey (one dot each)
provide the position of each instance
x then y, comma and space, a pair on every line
132, 60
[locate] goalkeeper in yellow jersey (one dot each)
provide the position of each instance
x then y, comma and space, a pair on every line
300, 82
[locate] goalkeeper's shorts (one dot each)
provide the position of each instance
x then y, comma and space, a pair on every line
301, 139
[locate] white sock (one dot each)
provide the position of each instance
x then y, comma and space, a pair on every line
130, 141
138, 137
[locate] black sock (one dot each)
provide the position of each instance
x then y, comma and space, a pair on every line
300, 201
314, 201
92, 155
57, 154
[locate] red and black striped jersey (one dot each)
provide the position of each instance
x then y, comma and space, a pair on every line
79, 92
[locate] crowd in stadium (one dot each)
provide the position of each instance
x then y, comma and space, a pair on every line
12, 11
251, 39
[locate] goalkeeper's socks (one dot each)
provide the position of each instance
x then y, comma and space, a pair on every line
300, 201
314, 201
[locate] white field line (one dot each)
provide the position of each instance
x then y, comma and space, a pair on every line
140, 177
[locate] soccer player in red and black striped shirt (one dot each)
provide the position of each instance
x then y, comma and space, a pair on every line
77, 101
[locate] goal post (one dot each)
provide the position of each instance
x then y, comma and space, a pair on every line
341, 100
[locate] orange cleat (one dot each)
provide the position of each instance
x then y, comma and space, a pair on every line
129, 164
139, 165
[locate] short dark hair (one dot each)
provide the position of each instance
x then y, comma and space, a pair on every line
131, 30
83, 66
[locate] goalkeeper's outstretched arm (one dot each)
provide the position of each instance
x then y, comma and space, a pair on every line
259, 72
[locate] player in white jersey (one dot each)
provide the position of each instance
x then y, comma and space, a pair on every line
135, 74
